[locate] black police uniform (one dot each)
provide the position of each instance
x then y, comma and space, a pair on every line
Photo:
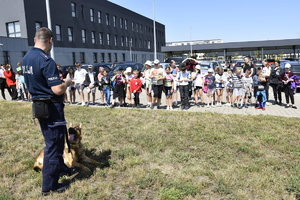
40, 75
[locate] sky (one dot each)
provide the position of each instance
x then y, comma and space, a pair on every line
229, 20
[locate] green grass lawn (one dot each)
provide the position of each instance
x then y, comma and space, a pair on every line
156, 154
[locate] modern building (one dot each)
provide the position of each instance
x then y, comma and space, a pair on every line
87, 31
194, 42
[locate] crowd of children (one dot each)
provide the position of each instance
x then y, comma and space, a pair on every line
241, 85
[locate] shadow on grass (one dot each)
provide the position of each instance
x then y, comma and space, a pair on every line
103, 159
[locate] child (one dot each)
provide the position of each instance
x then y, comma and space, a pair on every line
210, 81
136, 88
169, 87
258, 84
220, 80
247, 88
21, 85
237, 87
198, 85
128, 77
229, 88
11, 81
106, 86
100, 88
183, 79
91, 81
119, 88
148, 83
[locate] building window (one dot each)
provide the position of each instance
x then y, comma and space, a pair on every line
74, 57
100, 38
124, 56
121, 22
116, 40
82, 12
137, 27
126, 41
24, 53
115, 21
95, 57
82, 57
6, 58
70, 34
99, 17
83, 35
125, 24
132, 26
109, 57
149, 44
73, 9
108, 38
102, 57
131, 42
38, 25
116, 57
58, 32
107, 19
141, 28
122, 41
13, 29
93, 37
92, 15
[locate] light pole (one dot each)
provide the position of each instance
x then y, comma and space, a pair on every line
191, 41
49, 25
154, 28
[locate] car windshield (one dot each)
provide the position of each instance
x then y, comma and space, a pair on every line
295, 68
204, 67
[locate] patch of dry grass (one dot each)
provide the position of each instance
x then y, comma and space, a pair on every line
159, 155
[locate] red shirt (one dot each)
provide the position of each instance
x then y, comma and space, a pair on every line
10, 78
135, 85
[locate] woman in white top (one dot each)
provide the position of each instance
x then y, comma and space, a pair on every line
198, 83
148, 83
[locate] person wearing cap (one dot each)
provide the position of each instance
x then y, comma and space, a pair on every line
198, 85
287, 78
128, 77
210, 80
174, 71
11, 81
79, 77
21, 85
91, 82
147, 82
157, 75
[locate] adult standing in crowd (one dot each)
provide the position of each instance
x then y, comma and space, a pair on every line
174, 71
157, 75
11, 81
42, 79
79, 77
148, 82
275, 82
190, 64
286, 78
266, 72
249, 65
3, 82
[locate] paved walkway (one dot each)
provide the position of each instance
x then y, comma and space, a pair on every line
270, 110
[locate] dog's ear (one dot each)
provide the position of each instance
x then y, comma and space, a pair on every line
71, 124
80, 125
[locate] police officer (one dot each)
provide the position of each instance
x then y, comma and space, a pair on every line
46, 88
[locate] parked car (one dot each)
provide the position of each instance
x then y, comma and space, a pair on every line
178, 60
106, 66
134, 66
295, 68
204, 66
257, 63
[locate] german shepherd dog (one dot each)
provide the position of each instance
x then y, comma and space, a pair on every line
77, 151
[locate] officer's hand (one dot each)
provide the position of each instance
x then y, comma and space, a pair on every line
67, 81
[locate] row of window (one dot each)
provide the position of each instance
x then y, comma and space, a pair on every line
111, 57
99, 38
123, 23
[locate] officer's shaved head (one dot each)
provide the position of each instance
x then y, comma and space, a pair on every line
43, 34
